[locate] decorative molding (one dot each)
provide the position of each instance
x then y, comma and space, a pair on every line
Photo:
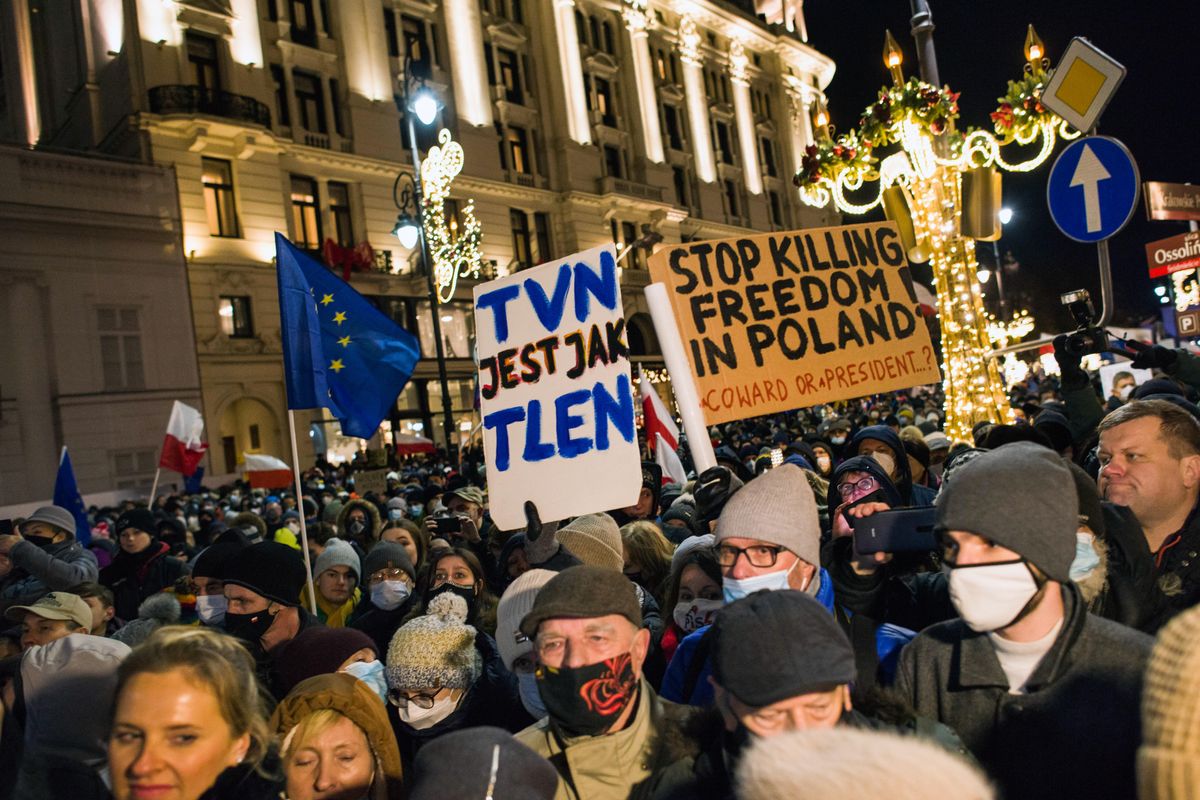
637, 16
690, 42
739, 63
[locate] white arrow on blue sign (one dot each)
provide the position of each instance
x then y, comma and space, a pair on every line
1093, 189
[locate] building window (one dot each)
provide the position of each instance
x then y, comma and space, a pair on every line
768, 156
416, 45
236, 322
453, 216
389, 30
306, 220
614, 166
581, 28
133, 469
304, 26
724, 143
510, 75
518, 150
541, 227
522, 246
682, 195
310, 101
604, 102
120, 348
610, 40
637, 256
776, 209
458, 338
281, 100
339, 209
672, 127
731, 198
335, 98
203, 61
255, 437
217, 177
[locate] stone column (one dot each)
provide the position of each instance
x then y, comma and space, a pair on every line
637, 20
744, 112
464, 31
697, 100
579, 127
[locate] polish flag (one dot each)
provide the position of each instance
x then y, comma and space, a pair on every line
183, 446
668, 459
658, 420
267, 472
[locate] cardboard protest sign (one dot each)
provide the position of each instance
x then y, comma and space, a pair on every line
374, 480
555, 391
786, 320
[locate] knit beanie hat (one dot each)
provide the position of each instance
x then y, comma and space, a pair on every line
1024, 476
318, 651
338, 553
141, 519
829, 763
157, 610
937, 441
594, 539
516, 602
212, 561
1091, 513
481, 762
1168, 762
436, 650
778, 508
270, 569
688, 546
384, 555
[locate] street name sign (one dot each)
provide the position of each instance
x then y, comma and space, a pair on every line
1173, 254
1172, 200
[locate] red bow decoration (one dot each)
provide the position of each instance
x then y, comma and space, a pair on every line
360, 258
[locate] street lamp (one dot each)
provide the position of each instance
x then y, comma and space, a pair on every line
1005, 215
421, 103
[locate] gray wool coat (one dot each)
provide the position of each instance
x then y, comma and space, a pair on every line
1076, 731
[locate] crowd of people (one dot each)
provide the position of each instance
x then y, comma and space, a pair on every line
1025, 631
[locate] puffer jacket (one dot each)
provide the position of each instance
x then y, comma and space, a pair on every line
54, 569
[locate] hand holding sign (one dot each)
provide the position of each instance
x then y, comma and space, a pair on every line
555, 390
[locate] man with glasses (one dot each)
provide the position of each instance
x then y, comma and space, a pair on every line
1043, 693
390, 581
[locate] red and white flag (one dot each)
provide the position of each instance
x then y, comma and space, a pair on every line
267, 472
183, 446
658, 420
668, 459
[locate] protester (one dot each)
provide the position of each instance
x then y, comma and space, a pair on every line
607, 731
142, 567
358, 522
337, 742
207, 583
1026, 673
44, 556
156, 611
458, 571
516, 649
54, 616
693, 594
336, 577
481, 762
100, 600
884, 443
408, 535
203, 683
391, 596
646, 556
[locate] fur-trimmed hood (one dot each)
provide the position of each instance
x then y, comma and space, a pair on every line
374, 521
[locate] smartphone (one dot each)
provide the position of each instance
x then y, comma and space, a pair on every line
448, 525
6, 527
1127, 348
900, 530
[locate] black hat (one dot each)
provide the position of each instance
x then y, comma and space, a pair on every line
581, 592
713, 489
141, 519
384, 554
270, 569
1091, 513
213, 560
478, 762
771, 646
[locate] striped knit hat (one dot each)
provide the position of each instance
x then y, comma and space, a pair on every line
595, 539
1168, 762
436, 651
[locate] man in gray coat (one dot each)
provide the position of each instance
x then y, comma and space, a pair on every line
46, 557
1045, 695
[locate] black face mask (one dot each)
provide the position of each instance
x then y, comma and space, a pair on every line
250, 628
465, 592
41, 542
586, 701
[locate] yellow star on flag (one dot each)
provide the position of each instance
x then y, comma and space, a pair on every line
339, 317
327, 299
344, 341
336, 365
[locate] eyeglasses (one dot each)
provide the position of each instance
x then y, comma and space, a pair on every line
389, 574
867, 484
759, 555
403, 700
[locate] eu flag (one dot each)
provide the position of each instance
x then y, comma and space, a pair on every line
339, 351
66, 495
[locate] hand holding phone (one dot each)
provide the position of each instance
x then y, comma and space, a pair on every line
901, 530
450, 524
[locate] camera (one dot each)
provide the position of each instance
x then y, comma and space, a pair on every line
1087, 338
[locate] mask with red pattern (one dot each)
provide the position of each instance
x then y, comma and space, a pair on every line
586, 701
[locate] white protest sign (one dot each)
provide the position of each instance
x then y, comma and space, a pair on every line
555, 390
1109, 371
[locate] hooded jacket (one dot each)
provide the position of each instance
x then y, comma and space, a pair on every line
374, 522
911, 495
54, 569
354, 700
135, 576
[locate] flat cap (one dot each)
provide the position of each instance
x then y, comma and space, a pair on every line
581, 592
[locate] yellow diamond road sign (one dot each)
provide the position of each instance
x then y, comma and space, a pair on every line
1082, 84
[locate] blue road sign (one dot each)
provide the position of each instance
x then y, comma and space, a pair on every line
1093, 189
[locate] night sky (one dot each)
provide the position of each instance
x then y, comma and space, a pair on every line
1156, 113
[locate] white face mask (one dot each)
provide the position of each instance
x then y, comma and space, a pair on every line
293, 526
1086, 559
737, 588
210, 608
991, 596
421, 718
372, 674
886, 461
837, 440
389, 595
692, 615
530, 697
823, 463
1125, 391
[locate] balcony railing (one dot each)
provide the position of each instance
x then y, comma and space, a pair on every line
176, 99
642, 191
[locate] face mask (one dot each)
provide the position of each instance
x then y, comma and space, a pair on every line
357, 527
41, 542
249, 628
527, 685
586, 701
991, 596
736, 589
414, 512
919, 420
210, 608
692, 615
1124, 392
293, 526
395, 514
886, 461
389, 595
372, 674
1086, 558
421, 718
838, 440
823, 463
465, 592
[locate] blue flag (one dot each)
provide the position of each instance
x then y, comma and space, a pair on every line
192, 483
339, 351
66, 495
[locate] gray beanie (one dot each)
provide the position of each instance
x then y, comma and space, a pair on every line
1020, 496
514, 605
777, 507
384, 555
338, 554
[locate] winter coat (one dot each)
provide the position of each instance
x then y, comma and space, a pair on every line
134, 577
265, 781
374, 522
1074, 733
56, 569
620, 765
912, 495
1176, 568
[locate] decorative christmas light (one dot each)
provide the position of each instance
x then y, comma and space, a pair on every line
1187, 289
1015, 370
1003, 334
919, 120
455, 253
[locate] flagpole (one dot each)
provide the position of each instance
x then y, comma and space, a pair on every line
312, 592
154, 486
